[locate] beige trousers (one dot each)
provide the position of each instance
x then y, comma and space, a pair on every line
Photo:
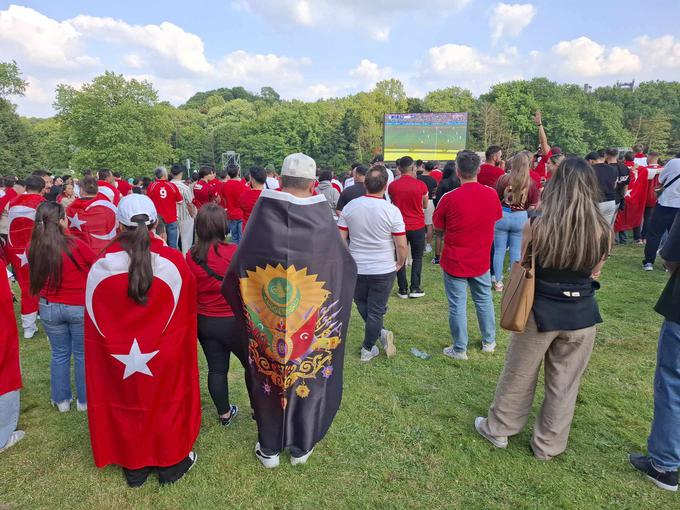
565, 355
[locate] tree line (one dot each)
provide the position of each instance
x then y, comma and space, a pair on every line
121, 124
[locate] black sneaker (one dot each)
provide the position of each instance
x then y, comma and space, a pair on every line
667, 480
227, 421
435, 260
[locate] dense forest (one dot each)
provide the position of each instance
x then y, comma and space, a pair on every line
122, 124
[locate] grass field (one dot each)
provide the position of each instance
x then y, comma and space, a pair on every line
403, 437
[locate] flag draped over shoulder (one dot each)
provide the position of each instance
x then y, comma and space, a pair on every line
93, 221
636, 198
291, 286
143, 397
10, 372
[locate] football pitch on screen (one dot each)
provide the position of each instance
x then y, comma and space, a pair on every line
424, 142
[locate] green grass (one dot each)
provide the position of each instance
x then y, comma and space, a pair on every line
403, 437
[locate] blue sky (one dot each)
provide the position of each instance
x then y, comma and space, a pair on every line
312, 49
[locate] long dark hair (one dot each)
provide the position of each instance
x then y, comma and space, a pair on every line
136, 241
211, 230
49, 242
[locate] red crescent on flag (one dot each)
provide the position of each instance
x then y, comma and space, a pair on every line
116, 263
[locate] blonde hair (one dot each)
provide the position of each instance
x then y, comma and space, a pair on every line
571, 232
519, 180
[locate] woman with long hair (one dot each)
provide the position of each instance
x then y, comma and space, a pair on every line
570, 241
449, 182
59, 264
67, 196
209, 260
518, 194
140, 336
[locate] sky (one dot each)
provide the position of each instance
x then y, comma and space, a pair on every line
316, 49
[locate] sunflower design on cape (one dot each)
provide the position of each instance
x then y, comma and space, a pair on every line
292, 333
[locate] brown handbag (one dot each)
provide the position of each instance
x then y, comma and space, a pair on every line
518, 296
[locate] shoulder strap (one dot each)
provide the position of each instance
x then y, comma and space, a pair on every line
207, 269
667, 184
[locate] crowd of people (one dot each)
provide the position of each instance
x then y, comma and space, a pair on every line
126, 275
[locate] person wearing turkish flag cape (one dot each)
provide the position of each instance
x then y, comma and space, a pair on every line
630, 217
92, 217
291, 285
10, 371
21, 216
140, 352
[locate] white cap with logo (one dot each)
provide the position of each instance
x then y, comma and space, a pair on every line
299, 165
132, 205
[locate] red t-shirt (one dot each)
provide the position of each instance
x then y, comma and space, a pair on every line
437, 175
247, 202
124, 187
231, 195
71, 290
109, 191
204, 192
541, 166
467, 215
407, 194
489, 174
211, 302
165, 196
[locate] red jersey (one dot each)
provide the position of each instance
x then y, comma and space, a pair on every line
489, 174
247, 203
93, 221
437, 175
74, 269
204, 192
10, 371
211, 302
231, 192
144, 404
541, 166
124, 187
165, 196
109, 191
407, 194
467, 215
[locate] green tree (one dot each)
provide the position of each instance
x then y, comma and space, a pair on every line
11, 83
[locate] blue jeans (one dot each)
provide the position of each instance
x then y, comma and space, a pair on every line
456, 293
236, 230
64, 325
508, 232
172, 230
663, 443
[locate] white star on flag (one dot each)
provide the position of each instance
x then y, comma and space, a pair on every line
75, 222
23, 258
627, 195
135, 361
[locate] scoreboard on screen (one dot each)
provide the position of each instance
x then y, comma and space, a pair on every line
424, 136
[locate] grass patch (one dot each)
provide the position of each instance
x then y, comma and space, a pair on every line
403, 437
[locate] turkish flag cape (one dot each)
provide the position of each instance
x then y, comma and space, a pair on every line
93, 221
10, 371
635, 199
143, 400
291, 285
21, 219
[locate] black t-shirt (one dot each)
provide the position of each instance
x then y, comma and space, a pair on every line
623, 179
669, 302
446, 185
431, 184
607, 179
350, 193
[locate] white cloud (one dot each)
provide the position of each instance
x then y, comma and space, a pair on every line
244, 68
370, 72
346, 14
661, 52
585, 58
134, 61
459, 60
509, 20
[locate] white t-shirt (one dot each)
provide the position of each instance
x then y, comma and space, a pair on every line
273, 183
371, 223
671, 195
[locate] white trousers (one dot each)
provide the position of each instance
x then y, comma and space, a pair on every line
186, 234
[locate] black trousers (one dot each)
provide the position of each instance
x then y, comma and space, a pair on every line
218, 340
170, 474
662, 219
416, 239
647, 222
371, 295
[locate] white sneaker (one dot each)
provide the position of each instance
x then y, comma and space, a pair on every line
402, 296
268, 461
497, 441
297, 461
648, 266
81, 407
30, 333
14, 438
489, 347
387, 342
452, 353
428, 248
369, 355
64, 406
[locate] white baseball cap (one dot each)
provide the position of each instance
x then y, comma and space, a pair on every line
132, 205
299, 165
